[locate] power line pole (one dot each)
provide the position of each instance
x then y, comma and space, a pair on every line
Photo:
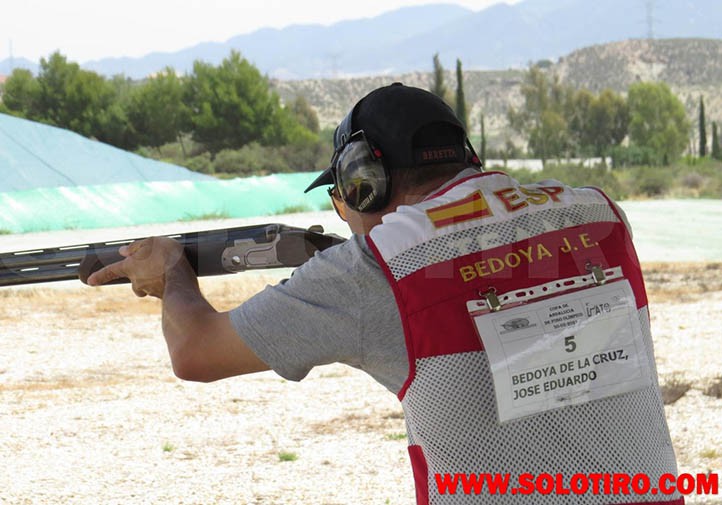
334, 57
10, 51
650, 19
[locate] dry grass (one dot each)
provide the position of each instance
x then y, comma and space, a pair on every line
85, 302
666, 282
96, 416
681, 282
85, 381
389, 422
714, 388
674, 387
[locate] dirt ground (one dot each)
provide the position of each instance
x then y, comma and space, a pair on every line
91, 413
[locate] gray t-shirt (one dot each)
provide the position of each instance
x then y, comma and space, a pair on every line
337, 307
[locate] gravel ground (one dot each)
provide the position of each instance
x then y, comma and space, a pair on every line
90, 411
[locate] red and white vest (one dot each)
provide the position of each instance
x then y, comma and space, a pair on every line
485, 231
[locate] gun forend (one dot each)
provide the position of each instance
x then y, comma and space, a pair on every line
211, 252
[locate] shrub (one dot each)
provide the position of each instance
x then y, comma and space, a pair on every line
295, 208
578, 175
652, 181
633, 156
692, 180
674, 387
307, 157
287, 456
523, 175
573, 175
714, 388
705, 178
251, 159
201, 163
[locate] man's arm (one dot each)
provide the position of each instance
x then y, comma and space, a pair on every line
202, 344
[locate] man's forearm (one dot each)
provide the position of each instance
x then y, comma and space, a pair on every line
202, 343
184, 312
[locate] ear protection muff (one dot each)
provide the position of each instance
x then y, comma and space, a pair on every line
362, 179
360, 175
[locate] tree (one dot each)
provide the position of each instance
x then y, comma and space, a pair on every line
21, 93
115, 128
438, 87
702, 130
460, 100
68, 97
76, 99
542, 117
156, 110
578, 114
482, 147
71, 97
304, 114
657, 120
610, 121
231, 105
716, 151
596, 123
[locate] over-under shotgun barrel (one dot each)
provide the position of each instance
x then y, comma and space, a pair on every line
211, 252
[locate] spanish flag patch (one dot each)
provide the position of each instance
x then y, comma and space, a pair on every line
471, 207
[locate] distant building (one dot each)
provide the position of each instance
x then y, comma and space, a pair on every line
537, 165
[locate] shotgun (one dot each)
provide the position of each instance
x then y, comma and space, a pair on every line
212, 252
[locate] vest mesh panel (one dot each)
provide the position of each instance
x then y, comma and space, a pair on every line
450, 402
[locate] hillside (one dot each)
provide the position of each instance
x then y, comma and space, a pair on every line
500, 36
691, 67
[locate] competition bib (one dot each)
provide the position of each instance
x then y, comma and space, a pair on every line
565, 350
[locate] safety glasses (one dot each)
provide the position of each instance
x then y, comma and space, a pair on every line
337, 202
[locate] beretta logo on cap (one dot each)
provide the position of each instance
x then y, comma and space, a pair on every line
438, 154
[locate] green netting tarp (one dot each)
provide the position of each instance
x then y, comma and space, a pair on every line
34, 155
129, 204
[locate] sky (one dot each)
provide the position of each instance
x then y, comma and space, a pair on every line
85, 30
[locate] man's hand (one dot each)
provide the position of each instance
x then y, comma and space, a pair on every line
146, 264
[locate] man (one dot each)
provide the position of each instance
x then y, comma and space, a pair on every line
510, 320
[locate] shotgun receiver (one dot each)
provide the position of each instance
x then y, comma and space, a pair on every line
212, 252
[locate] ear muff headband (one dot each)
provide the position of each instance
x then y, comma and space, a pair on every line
361, 178
343, 131
471, 157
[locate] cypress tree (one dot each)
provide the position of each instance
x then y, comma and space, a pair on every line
460, 100
702, 130
482, 150
716, 151
438, 87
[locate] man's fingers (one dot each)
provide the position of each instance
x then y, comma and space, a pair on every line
107, 274
139, 292
132, 248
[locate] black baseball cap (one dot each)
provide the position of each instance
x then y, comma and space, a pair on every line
410, 126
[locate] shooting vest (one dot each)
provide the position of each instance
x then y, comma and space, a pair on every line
483, 234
